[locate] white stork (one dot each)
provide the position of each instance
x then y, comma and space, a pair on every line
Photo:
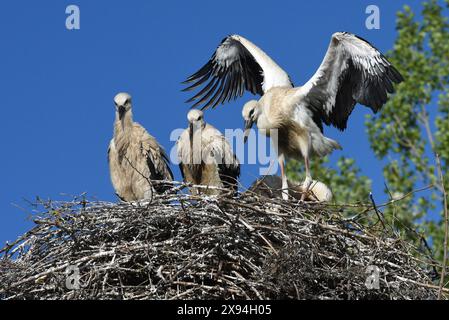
135, 157
352, 71
206, 158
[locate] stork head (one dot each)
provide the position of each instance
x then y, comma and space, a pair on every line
196, 121
195, 115
250, 114
122, 105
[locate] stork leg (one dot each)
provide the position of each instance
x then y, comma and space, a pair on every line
308, 181
284, 190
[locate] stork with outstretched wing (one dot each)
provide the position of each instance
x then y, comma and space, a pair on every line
352, 71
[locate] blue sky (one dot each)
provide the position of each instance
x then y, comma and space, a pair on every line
57, 85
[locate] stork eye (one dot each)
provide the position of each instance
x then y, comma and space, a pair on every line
251, 112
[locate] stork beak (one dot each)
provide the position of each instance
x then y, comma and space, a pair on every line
248, 125
121, 115
191, 142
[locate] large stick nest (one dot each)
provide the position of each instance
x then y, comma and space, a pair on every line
198, 247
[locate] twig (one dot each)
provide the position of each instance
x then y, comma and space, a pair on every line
425, 285
379, 215
408, 194
244, 247
446, 228
143, 176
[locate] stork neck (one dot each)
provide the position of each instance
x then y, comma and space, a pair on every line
195, 137
125, 124
263, 122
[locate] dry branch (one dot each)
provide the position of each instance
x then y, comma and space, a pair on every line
198, 247
446, 226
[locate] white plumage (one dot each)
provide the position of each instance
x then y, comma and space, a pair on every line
135, 157
270, 186
206, 158
352, 71
274, 76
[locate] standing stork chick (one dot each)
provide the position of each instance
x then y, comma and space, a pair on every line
352, 71
135, 157
293, 132
206, 158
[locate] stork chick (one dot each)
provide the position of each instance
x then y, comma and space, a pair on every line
135, 157
206, 158
293, 132
352, 71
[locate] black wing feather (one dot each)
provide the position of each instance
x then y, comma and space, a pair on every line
159, 173
226, 82
229, 174
366, 78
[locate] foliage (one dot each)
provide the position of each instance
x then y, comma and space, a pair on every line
413, 127
409, 131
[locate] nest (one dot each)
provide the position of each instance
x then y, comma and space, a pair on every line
180, 246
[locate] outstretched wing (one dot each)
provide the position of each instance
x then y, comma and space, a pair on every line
237, 65
352, 71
